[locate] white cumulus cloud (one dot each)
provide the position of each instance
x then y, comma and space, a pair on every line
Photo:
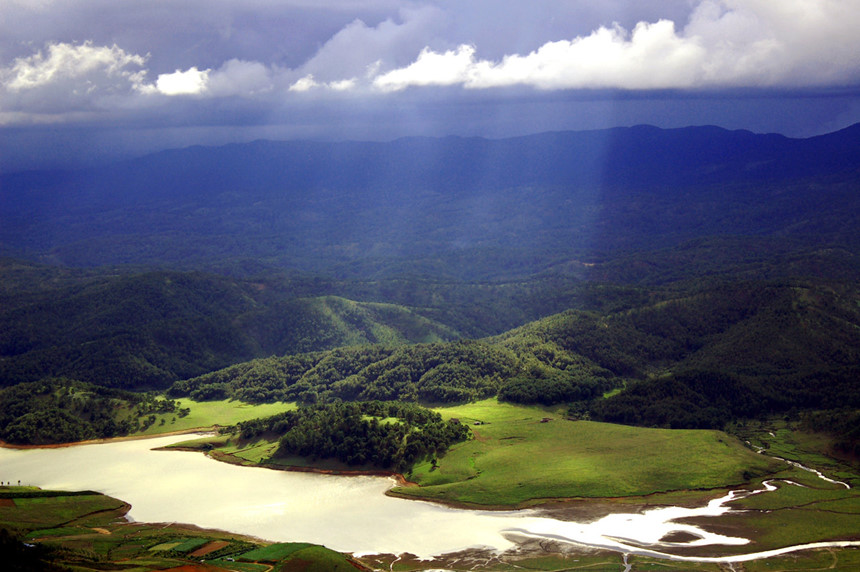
86, 65
64, 76
726, 43
189, 82
308, 82
704, 44
63, 81
432, 68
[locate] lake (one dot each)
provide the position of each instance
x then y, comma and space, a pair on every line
348, 514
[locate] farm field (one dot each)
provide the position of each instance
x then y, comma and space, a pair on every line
87, 531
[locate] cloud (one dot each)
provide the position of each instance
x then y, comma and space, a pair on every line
726, 43
240, 78
63, 80
241, 61
608, 58
188, 82
432, 68
66, 75
65, 62
790, 42
392, 42
306, 83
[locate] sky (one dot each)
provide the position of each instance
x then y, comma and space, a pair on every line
82, 80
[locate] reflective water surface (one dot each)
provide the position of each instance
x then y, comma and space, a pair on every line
349, 514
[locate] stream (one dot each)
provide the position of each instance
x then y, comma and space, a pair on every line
650, 526
348, 514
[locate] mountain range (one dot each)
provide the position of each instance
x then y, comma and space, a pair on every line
462, 208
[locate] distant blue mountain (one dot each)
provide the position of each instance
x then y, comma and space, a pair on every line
471, 207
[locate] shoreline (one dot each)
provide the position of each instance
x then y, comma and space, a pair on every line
104, 440
569, 506
578, 509
549, 505
228, 458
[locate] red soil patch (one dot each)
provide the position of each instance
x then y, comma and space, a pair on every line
209, 548
7, 502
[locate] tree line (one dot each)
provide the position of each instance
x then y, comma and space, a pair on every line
699, 359
61, 411
384, 435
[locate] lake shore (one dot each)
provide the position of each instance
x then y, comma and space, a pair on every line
562, 528
102, 441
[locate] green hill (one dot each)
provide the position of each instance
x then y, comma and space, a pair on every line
146, 330
692, 359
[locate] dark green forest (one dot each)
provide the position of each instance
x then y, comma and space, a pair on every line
60, 410
696, 360
687, 354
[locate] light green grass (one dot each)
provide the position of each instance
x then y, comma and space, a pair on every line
54, 511
317, 559
515, 457
62, 531
255, 453
164, 546
789, 440
811, 495
792, 526
273, 552
206, 414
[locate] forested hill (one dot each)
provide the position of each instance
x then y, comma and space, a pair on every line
456, 207
145, 330
698, 359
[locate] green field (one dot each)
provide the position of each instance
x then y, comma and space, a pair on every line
86, 531
207, 414
811, 510
520, 454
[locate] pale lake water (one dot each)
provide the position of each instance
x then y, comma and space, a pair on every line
349, 514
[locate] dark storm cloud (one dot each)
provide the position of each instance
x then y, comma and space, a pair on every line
380, 69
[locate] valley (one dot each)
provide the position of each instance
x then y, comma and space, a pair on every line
565, 336
797, 495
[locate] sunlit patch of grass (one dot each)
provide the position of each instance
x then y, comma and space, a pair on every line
520, 453
838, 560
206, 414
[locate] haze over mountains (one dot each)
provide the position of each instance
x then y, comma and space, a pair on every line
453, 207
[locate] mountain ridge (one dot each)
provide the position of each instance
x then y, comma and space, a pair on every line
326, 207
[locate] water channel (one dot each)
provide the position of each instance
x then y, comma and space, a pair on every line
349, 514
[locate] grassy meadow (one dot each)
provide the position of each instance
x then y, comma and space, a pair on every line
209, 414
523, 453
